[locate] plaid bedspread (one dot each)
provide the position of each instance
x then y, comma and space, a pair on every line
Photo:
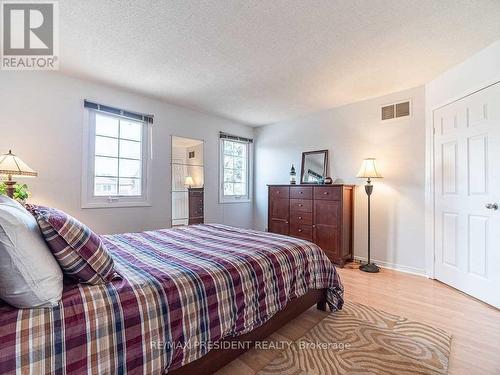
182, 290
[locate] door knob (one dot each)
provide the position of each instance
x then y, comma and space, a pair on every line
492, 206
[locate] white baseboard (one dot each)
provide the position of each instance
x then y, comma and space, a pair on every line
396, 267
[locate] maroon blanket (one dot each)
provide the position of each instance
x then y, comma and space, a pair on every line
182, 290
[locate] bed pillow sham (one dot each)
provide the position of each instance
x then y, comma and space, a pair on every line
29, 274
80, 252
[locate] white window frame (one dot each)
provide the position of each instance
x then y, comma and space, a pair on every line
236, 198
89, 200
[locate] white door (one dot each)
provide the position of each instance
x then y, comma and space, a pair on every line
467, 194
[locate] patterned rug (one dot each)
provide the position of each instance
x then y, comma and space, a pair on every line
362, 340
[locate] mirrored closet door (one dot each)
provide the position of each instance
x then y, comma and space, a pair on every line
187, 181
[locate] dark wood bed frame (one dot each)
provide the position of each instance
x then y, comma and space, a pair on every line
218, 358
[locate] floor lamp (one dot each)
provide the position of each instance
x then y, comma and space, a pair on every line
369, 170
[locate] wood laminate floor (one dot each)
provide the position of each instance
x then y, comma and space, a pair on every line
475, 326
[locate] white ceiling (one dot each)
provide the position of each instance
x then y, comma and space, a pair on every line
185, 142
262, 61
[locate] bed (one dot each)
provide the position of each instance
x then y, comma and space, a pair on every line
180, 293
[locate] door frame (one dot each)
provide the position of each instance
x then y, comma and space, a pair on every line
430, 193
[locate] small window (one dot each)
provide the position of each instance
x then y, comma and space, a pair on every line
116, 161
235, 170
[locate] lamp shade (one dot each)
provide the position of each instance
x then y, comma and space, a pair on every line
369, 169
189, 181
11, 165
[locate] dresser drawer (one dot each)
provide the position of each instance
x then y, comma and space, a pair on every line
196, 220
331, 193
279, 191
301, 231
297, 217
301, 205
196, 210
301, 192
196, 200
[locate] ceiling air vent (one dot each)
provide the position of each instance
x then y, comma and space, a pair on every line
396, 110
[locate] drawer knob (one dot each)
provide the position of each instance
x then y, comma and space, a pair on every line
300, 204
325, 193
301, 192
300, 217
300, 230
278, 192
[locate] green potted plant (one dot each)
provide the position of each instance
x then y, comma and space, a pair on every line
21, 192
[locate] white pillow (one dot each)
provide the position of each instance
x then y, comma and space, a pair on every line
5, 200
29, 274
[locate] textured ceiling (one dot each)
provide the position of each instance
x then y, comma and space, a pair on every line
262, 61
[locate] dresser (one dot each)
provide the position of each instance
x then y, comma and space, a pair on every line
196, 203
322, 214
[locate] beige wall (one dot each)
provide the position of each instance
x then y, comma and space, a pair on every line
195, 171
352, 133
41, 119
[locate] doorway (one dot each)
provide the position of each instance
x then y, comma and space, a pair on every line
187, 181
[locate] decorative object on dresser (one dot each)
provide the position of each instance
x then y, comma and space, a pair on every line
320, 214
292, 175
369, 170
11, 165
314, 167
196, 203
328, 181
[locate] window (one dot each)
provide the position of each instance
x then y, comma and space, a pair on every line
235, 175
116, 161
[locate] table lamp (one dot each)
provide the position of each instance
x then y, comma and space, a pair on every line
189, 182
11, 165
369, 170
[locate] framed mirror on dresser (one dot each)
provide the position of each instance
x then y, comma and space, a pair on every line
314, 167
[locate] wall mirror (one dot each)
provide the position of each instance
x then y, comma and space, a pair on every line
314, 167
187, 181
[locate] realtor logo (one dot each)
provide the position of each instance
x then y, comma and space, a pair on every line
29, 35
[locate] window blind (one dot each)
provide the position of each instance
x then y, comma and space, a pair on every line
118, 111
235, 137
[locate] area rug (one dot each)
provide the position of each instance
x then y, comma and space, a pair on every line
363, 340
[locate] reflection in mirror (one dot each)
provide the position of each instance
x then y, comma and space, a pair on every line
314, 167
187, 181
